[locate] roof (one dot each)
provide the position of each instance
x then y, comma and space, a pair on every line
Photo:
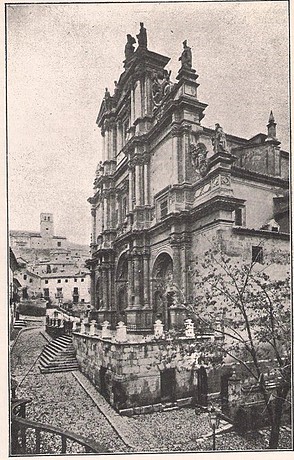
17, 233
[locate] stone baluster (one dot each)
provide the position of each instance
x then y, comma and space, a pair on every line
92, 328
74, 325
158, 329
106, 333
121, 332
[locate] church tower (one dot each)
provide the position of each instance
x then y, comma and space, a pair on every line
46, 225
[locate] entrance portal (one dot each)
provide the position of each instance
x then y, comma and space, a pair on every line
168, 384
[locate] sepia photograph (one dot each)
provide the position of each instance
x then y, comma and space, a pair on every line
149, 230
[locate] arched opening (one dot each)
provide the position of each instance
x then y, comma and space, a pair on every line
122, 288
163, 289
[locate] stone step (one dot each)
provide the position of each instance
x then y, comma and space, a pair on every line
58, 356
58, 369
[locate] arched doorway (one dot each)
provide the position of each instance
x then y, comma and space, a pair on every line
122, 288
163, 289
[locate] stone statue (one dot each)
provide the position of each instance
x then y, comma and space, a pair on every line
107, 99
129, 48
186, 56
142, 36
219, 140
199, 157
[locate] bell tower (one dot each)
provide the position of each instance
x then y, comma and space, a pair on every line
46, 225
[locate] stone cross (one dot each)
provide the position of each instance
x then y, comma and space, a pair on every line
189, 331
105, 330
158, 329
121, 332
92, 327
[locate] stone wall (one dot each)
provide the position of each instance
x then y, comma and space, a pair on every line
132, 374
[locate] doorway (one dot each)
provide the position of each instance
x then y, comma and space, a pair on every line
168, 384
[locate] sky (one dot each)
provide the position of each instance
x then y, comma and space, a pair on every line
60, 58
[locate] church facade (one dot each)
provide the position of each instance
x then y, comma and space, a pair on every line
167, 186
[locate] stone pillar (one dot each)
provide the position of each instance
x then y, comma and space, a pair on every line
104, 212
106, 333
137, 184
175, 165
130, 282
92, 328
107, 143
146, 288
119, 136
146, 183
104, 281
131, 187
137, 279
103, 146
158, 329
94, 235
121, 332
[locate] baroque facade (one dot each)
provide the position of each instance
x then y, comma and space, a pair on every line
167, 186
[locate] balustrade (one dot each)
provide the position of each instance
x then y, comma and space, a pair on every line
21, 444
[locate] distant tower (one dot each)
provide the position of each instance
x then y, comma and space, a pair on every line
46, 225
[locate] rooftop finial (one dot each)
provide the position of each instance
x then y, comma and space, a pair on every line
271, 118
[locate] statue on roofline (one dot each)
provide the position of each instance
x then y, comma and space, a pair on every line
186, 56
142, 36
129, 48
219, 140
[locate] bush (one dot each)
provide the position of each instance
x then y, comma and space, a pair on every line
32, 309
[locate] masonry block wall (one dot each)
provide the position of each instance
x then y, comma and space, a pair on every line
141, 373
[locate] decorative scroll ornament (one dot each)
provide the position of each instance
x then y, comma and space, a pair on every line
198, 154
161, 86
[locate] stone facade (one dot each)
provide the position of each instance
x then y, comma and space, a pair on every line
166, 186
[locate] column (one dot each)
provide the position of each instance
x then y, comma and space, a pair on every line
94, 233
110, 141
137, 185
107, 143
175, 174
119, 136
105, 212
137, 279
177, 265
146, 184
146, 279
104, 280
103, 146
131, 181
130, 282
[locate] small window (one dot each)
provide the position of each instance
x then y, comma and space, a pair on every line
46, 228
46, 281
76, 290
58, 281
66, 281
238, 217
82, 280
48, 217
76, 280
257, 254
59, 243
275, 229
24, 277
163, 209
82, 300
31, 280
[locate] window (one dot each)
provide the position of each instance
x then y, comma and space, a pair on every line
46, 293
76, 290
46, 281
163, 209
59, 243
66, 281
59, 293
31, 280
46, 228
48, 217
24, 277
257, 254
82, 280
76, 280
83, 300
238, 217
58, 281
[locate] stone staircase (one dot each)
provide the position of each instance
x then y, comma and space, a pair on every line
58, 356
